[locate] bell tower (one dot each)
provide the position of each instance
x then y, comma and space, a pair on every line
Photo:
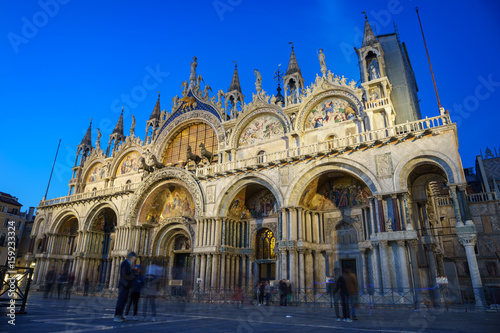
234, 95
376, 85
116, 137
293, 80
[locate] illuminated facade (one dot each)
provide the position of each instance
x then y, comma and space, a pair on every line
330, 175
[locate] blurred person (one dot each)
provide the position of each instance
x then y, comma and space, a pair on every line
86, 286
71, 282
135, 292
341, 288
262, 292
353, 291
62, 280
125, 283
152, 281
283, 289
49, 281
289, 292
267, 289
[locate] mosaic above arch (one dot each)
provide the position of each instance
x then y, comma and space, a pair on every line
329, 112
104, 221
260, 129
329, 192
129, 164
97, 173
256, 204
171, 201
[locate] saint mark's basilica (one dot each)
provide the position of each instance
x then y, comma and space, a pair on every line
223, 194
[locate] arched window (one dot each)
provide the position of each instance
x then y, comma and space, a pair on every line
265, 244
2, 240
261, 157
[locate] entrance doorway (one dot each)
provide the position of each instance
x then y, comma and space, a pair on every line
267, 271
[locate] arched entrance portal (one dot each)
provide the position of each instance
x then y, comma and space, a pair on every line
180, 261
101, 235
333, 218
249, 228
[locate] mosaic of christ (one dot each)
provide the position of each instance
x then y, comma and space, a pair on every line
173, 201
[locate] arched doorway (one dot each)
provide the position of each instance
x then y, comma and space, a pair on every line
265, 256
65, 244
254, 208
179, 253
335, 206
101, 235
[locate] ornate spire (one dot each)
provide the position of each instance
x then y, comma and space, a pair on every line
293, 66
87, 139
368, 36
235, 82
119, 125
156, 111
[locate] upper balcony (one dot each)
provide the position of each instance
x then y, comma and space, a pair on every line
377, 103
363, 139
127, 188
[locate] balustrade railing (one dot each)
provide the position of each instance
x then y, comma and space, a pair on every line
325, 146
376, 103
90, 194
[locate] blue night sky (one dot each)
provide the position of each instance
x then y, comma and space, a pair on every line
84, 58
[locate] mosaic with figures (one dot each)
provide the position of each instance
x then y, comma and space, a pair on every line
325, 193
260, 129
257, 205
96, 173
329, 112
173, 201
129, 164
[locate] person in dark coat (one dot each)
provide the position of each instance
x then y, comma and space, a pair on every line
341, 288
125, 283
86, 287
262, 292
135, 292
283, 292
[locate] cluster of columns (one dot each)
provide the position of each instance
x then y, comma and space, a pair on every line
222, 270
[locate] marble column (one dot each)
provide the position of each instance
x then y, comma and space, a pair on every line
222, 271
395, 210
453, 192
215, 270
403, 265
301, 270
384, 266
380, 214
364, 263
203, 263
244, 270
321, 267
308, 268
468, 240
300, 224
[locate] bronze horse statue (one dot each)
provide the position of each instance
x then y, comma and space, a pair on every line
192, 157
205, 153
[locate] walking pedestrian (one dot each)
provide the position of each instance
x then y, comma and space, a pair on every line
341, 288
289, 292
86, 286
135, 292
353, 291
152, 285
62, 280
283, 289
71, 282
124, 285
262, 294
267, 289
49, 281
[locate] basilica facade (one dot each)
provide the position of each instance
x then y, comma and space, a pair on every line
223, 194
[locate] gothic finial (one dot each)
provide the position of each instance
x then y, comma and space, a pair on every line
235, 64
366, 17
291, 43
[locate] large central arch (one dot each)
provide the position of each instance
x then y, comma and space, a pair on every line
156, 179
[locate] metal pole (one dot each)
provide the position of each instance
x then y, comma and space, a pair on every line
55, 158
429, 59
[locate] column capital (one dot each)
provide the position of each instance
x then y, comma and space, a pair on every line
383, 243
467, 239
329, 252
412, 242
401, 242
